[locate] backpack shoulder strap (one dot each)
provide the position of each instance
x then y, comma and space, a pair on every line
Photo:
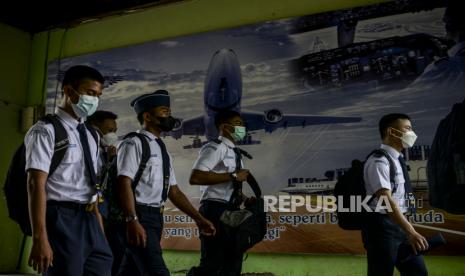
392, 166
254, 185
144, 158
61, 141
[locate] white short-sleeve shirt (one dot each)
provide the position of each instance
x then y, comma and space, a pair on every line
377, 176
150, 187
71, 179
218, 158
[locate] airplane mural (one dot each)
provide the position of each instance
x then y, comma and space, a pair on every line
223, 91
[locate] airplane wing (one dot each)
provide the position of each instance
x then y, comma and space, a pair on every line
193, 126
272, 119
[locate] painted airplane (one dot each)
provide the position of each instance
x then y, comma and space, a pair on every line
223, 91
300, 185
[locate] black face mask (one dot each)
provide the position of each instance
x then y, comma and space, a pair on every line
166, 123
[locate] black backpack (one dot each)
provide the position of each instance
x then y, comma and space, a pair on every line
446, 163
352, 184
110, 179
15, 187
251, 221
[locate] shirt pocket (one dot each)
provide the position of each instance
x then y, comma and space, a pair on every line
70, 168
72, 155
230, 164
154, 171
398, 179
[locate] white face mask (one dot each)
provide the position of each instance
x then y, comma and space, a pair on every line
86, 105
109, 139
408, 138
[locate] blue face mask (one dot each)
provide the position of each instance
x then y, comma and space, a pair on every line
86, 105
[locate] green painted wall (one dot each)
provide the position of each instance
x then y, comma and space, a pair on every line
188, 17
15, 51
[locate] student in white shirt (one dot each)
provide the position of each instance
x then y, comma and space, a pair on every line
143, 208
217, 170
67, 231
385, 232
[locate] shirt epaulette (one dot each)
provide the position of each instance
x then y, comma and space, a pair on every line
382, 161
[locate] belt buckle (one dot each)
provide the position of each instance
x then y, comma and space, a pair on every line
162, 208
90, 207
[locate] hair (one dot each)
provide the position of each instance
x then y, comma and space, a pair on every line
78, 73
224, 116
140, 117
101, 115
389, 120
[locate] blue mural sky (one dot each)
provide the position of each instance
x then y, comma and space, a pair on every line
264, 51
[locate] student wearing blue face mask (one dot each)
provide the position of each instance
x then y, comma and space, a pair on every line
67, 229
217, 169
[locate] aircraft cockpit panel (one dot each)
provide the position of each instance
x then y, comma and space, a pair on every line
394, 59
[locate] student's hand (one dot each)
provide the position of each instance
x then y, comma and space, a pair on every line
242, 175
99, 217
206, 227
249, 200
112, 151
418, 242
135, 234
41, 257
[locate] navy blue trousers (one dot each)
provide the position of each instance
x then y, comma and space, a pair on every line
148, 260
382, 239
78, 243
115, 233
216, 256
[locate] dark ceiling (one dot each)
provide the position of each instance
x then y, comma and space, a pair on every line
36, 16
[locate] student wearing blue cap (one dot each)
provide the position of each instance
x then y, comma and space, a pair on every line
143, 205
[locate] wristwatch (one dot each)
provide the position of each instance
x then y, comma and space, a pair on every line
131, 217
233, 176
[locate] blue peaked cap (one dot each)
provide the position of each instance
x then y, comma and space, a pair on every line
148, 101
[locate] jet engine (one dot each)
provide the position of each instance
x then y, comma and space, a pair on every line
176, 133
273, 116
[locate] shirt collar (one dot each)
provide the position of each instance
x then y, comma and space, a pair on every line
67, 118
149, 134
228, 142
456, 49
391, 151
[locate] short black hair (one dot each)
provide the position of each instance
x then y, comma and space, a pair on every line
78, 73
389, 120
140, 118
101, 115
224, 116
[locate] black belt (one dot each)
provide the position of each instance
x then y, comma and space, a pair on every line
88, 207
149, 209
213, 201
